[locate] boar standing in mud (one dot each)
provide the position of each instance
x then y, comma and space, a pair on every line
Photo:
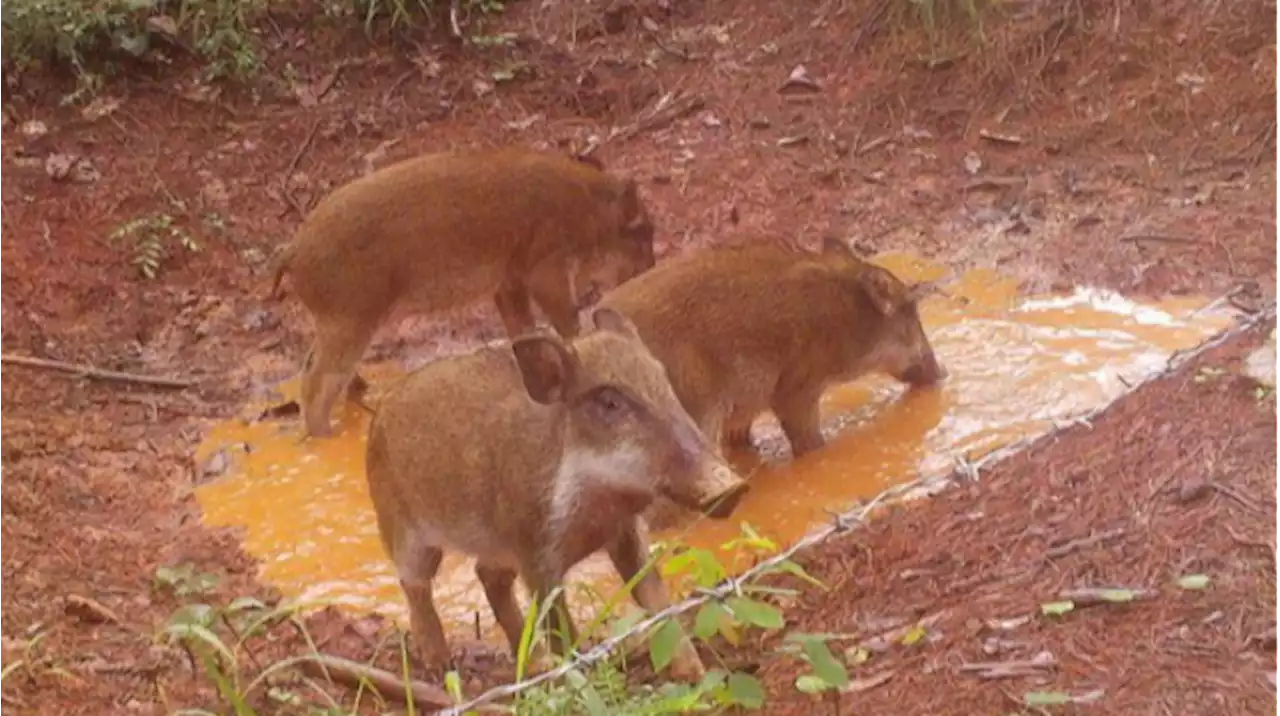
443, 230
748, 329
531, 458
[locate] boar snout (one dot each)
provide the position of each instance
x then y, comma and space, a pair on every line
926, 373
723, 490
711, 487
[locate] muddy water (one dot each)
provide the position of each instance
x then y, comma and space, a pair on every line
1017, 364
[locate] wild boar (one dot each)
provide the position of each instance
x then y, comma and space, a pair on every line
443, 230
743, 330
531, 458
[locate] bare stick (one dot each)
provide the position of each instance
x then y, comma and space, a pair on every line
1090, 596
293, 166
88, 371
454, 27
354, 674
1076, 544
1167, 238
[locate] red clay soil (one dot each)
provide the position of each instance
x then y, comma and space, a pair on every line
1176, 479
1123, 144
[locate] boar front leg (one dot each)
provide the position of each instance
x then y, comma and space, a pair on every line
554, 294
629, 553
797, 410
513, 305
543, 584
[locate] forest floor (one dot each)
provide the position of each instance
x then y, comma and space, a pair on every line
1120, 144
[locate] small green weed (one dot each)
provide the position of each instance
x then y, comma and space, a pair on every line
183, 580
152, 239
77, 33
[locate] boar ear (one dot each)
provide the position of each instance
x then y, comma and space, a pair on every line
882, 290
920, 290
607, 319
547, 367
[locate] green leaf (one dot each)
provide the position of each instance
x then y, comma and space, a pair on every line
795, 570
283, 696
453, 685
662, 647
678, 564
1194, 581
857, 655
1046, 698
1054, 609
199, 614
709, 570
623, 625
825, 666
745, 690
241, 604
583, 688
755, 613
707, 623
811, 684
197, 633
914, 636
714, 679
1118, 596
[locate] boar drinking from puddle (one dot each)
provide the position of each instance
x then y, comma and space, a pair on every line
531, 458
743, 330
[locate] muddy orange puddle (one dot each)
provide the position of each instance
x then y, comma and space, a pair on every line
1017, 364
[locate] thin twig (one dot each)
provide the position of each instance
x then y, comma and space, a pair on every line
1167, 238
354, 674
1090, 596
92, 373
293, 166
454, 26
1078, 544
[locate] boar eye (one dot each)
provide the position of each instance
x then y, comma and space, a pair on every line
610, 401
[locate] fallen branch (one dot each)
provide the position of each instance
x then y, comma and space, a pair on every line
92, 373
1078, 544
993, 183
1035, 666
666, 111
89, 610
1091, 596
354, 674
1167, 238
293, 166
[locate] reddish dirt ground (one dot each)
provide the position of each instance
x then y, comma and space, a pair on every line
1143, 159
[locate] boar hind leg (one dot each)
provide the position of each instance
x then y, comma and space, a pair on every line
416, 572
336, 352
499, 588
801, 420
629, 554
